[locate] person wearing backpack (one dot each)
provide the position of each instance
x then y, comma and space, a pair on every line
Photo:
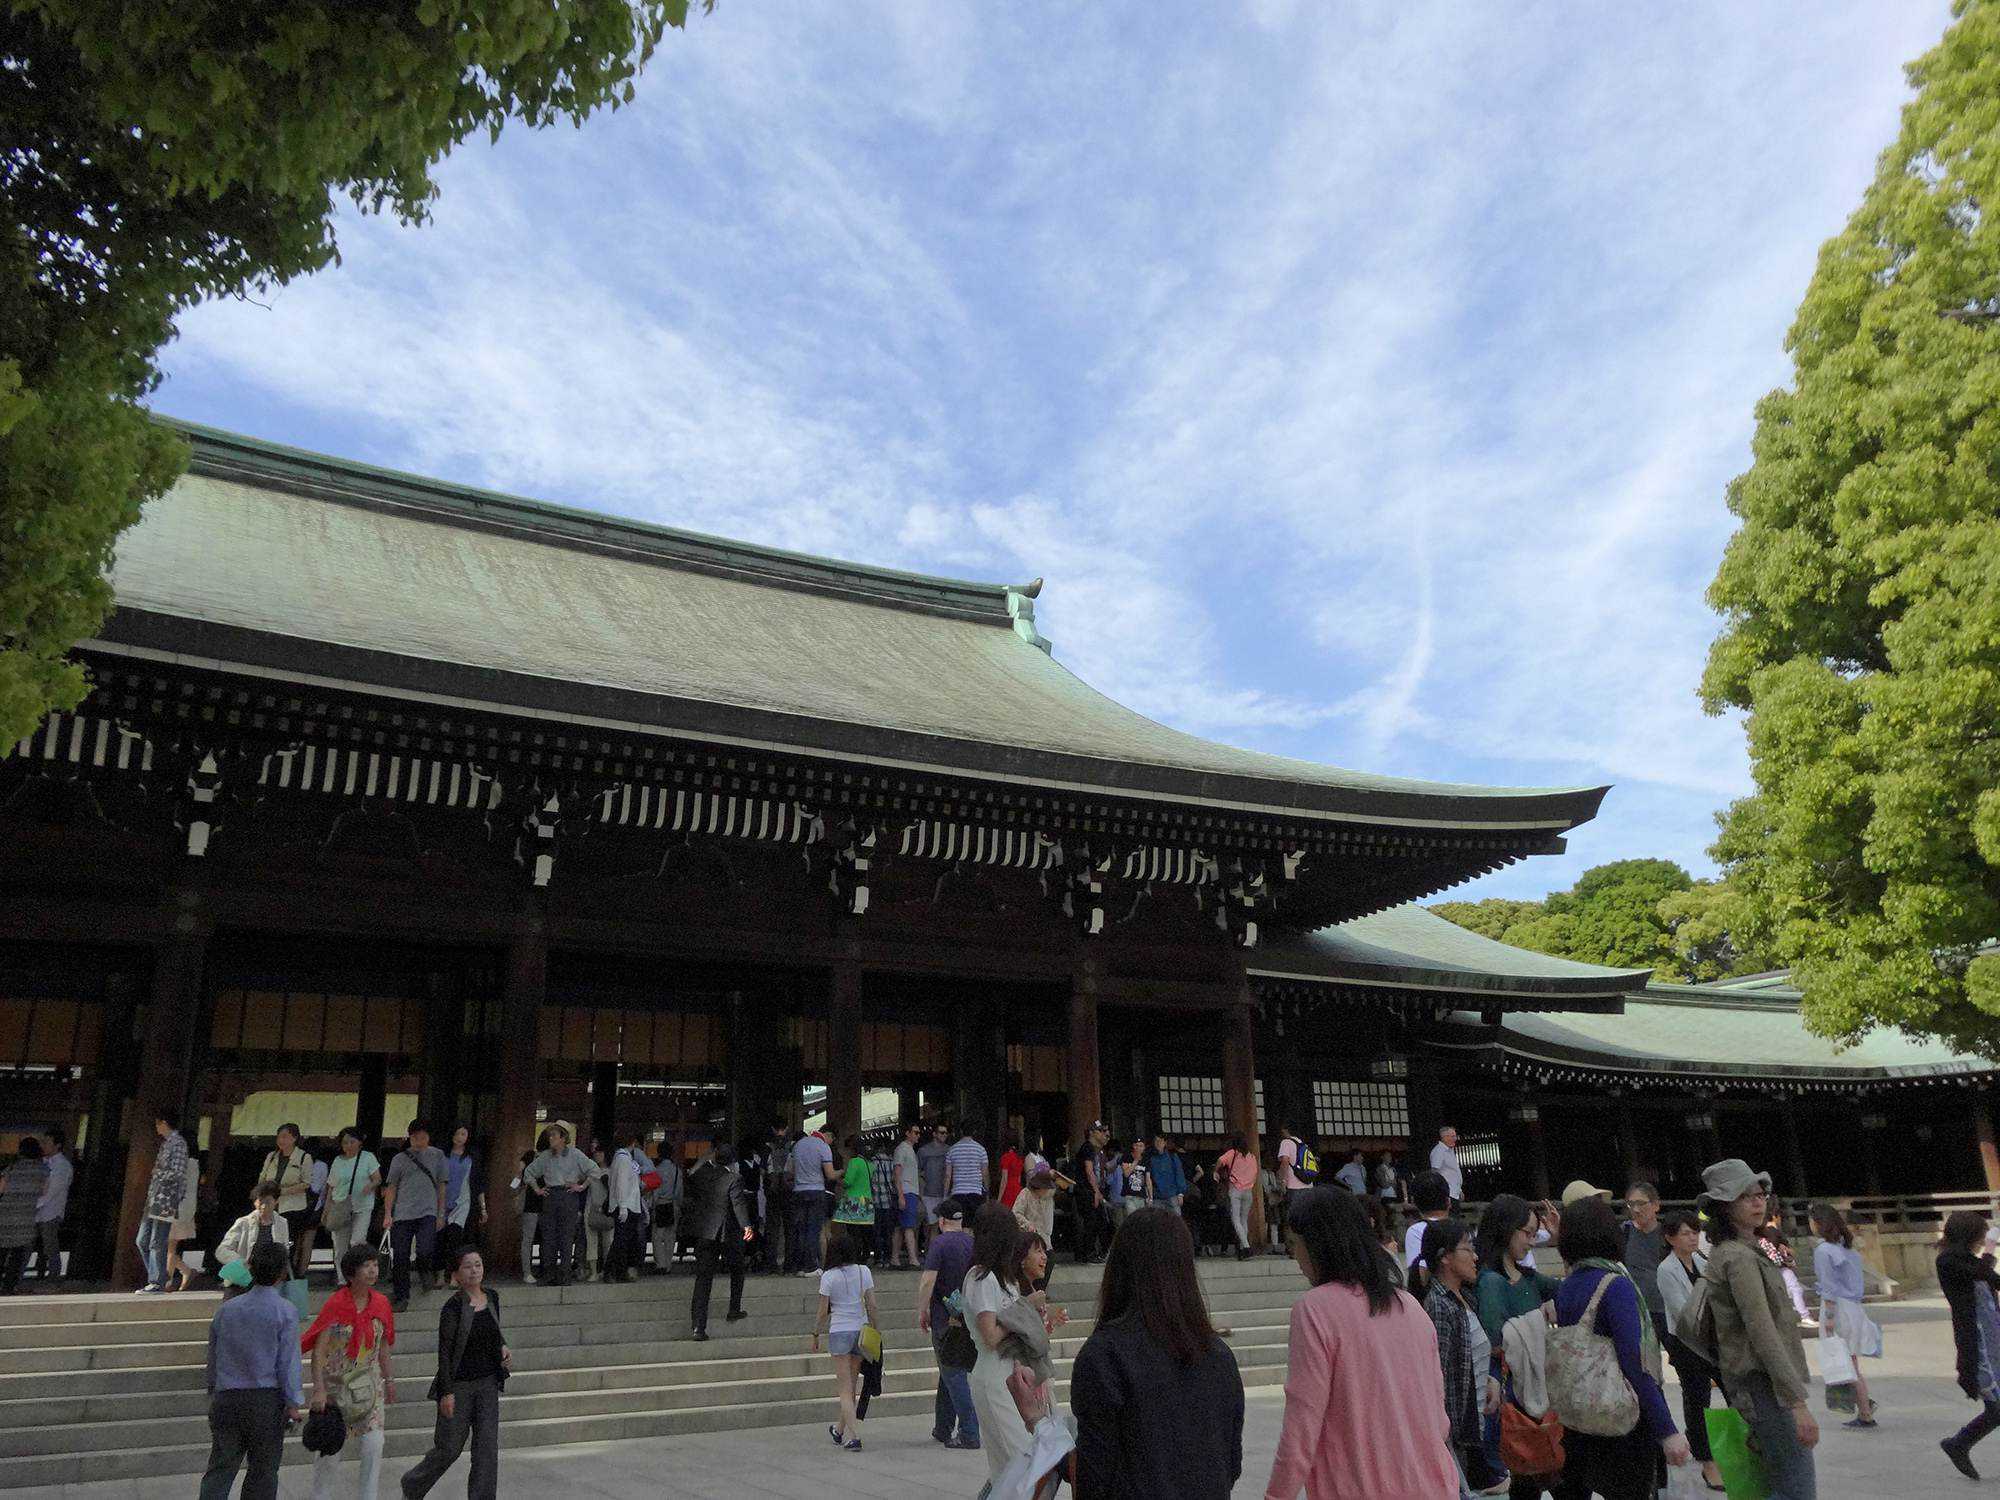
1603, 1374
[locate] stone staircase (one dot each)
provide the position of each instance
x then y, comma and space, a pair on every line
110, 1387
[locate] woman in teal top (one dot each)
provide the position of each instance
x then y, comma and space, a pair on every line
1506, 1290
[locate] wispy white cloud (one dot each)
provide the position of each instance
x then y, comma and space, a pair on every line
1364, 380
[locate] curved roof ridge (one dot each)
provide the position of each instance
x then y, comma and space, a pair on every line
231, 455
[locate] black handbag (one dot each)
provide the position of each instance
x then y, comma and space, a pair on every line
326, 1431
956, 1351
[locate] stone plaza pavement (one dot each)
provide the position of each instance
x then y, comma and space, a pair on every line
1900, 1459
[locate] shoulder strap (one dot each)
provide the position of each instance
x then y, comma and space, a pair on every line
1589, 1319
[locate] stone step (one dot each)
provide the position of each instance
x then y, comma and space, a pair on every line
35, 1308
751, 1408
597, 1340
23, 1398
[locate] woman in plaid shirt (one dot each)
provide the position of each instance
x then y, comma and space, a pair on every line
882, 1180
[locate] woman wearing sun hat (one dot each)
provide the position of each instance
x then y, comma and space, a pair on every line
1756, 1330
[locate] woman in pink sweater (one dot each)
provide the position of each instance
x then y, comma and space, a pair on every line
1364, 1397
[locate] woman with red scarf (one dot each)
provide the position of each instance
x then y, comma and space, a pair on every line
349, 1343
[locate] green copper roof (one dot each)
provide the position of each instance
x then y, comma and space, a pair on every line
273, 560
1753, 1031
1410, 947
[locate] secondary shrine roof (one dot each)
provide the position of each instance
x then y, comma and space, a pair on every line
1412, 948
292, 564
1749, 1029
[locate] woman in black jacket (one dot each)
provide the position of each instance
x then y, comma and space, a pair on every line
473, 1361
1157, 1396
1964, 1274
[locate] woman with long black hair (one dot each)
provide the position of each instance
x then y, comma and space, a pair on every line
1157, 1396
1364, 1394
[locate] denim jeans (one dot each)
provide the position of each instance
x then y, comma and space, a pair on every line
954, 1394
153, 1249
1787, 1466
808, 1218
411, 1239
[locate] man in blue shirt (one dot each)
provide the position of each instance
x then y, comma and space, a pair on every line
253, 1381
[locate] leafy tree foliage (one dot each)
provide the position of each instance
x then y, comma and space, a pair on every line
1861, 595
153, 154
1712, 933
1610, 916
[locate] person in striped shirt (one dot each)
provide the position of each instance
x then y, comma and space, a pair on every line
965, 1164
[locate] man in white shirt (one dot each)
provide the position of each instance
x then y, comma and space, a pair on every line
627, 1206
1444, 1162
1430, 1194
52, 1205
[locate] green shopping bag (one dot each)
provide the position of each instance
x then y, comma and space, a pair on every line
1729, 1440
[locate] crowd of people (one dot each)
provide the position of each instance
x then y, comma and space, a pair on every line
1430, 1356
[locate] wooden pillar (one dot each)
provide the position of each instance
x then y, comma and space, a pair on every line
843, 1060
1795, 1156
101, 1163
168, 1029
1426, 1093
1085, 1087
1239, 1096
979, 1070
1628, 1138
1529, 1113
520, 1070
442, 1060
371, 1103
1982, 1129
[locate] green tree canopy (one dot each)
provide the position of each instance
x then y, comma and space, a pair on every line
1613, 915
1861, 595
155, 154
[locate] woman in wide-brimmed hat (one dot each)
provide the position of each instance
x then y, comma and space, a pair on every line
1756, 1330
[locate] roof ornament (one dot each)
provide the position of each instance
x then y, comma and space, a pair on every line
1021, 607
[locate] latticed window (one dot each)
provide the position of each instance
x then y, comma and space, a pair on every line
1343, 1108
1191, 1106
1261, 1126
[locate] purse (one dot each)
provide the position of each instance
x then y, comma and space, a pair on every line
1587, 1389
956, 1350
1530, 1445
870, 1344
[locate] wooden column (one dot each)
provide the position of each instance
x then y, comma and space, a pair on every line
1085, 1087
843, 1060
1982, 1129
371, 1102
1239, 1096
96, 1197
979, 1070
1529, 1113
168, 1028
1795, 1156
1628, 1138
520, 1067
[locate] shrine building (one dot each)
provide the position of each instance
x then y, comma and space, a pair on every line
398, 797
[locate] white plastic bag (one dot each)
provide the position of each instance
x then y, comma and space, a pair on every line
1836, 1363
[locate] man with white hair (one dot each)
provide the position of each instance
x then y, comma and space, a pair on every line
1444, 1162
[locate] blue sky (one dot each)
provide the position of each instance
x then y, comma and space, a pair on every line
1364, 379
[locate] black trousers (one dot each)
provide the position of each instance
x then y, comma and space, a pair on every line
729, 1248
244, 1424
1697, 1377
475, 1413
13, 1262
1988, 1421
1090, 1226
625, 1252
